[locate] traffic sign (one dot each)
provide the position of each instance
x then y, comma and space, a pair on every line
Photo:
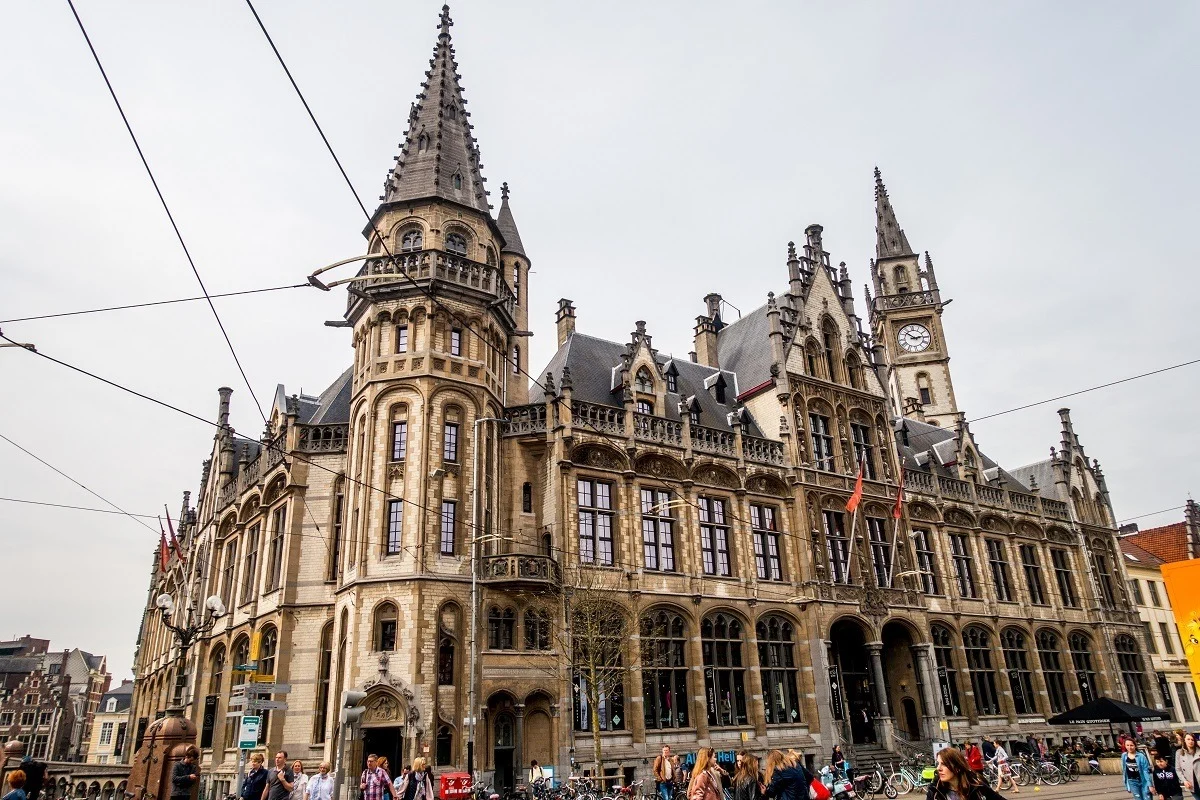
248, 732
268, 688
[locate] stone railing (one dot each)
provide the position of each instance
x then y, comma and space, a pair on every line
429, 265
605, 419
324, 438
989, 495
906, 300
657, 429
1023, 502
524, 419
711, 440
521, 568
227, 494
765, 451
919, 481
1056, 509
249, 472
959, 490
273, 451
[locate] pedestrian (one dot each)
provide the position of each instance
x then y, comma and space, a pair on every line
300, 782
786, 777
1186, 759
838, 760
404, 786
1166, 781
320, 786
1135, 768
279, 779
387, 778
370, 783
706, 780
1003, 770
255, 780
957, 781
16, 781
35, 776
974, 758
185, 774
747, 781
422, 778
665, 773
683, 770
536, 773
1162, 745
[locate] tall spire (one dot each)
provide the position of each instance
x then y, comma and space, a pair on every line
439, 156
508, 226
889, 238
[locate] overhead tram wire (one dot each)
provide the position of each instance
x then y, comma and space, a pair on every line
74, 508
154, 303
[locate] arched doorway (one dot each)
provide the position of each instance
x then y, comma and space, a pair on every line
903, 678
852, 671
383, 729
504, 745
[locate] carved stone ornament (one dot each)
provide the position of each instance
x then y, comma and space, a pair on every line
395, 471
956, 517
918, 511
715, 476
1060, 536
874, 603
661, 467
765, 485
598, 457
383, 708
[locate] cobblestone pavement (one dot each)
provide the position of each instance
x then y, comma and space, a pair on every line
1102, 787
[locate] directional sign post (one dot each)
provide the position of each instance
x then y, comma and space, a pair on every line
248, 732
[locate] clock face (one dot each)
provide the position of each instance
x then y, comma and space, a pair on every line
914, 338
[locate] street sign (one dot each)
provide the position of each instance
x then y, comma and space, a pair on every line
245, 667
248, 732
237, 700
268, 688
266, 705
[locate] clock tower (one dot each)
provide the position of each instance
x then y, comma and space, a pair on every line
906, 319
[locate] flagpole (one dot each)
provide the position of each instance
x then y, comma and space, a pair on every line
853, 539
895, 547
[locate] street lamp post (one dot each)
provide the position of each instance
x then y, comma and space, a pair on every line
186, 635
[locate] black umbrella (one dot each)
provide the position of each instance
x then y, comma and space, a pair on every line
1104, 709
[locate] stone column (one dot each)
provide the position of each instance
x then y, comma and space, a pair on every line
519, 750
875, 649
927, 678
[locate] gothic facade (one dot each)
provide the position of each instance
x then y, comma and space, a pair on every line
706, 496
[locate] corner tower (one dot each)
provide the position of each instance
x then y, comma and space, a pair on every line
906, 319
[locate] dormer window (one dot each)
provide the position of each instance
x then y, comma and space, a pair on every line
456, 243
642, 381
694, 416
645, 407
719, 389
672, 380
411, 241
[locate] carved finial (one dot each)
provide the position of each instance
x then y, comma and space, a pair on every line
445, 22
565, 382
504, 191
641, 327
1033, 482
792, 251
1053, 453
771, 305
843, 274
548, 384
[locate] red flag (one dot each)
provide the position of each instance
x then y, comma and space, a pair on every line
162, 551
856, 498
174, 540
899, 498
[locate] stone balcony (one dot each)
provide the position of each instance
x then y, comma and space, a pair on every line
515, 570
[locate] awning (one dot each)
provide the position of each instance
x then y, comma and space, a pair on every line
1104, 710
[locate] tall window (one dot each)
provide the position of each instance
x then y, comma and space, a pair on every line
998, 561
777, 662
822, 442
812, 358
829, 342
664, 671
456, 243
1168, 638
385, 627
1016, 661
943, 652
1135, 591
881, 551
537, 630
978, 644
642, 381
324, 670
1081, 659
854, 371
658, 541
516, 360
1062, 576
335, 546
672, 380
863, 450
1033, 574
724, 671
446, 662
1155, 600
275, 551
399, 441
611, 689
412, 241
402, 339
517, 281
926, 562
250, 565
1150, 645
1129, 661
527, 498
595, 522
449, 527
267, 650
450, 442
837, 546
395, 526
241, 655
1186, 709
501, 625
1104, 578
216, 676
228, 571
960, 554
765, 530
714, 536
923, 389
1052, 670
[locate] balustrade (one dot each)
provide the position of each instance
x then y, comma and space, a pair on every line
513, 568
957, 489
605, 419
765, 451
324, 438
888, 301
711, 440
657, 429
1056, 509
435, 264
1023, 502
989, 495
524, 419
918, 481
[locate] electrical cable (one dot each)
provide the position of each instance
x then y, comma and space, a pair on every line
75, 508
154, 303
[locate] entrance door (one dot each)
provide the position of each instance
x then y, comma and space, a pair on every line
911, 725
850, 652
502, 752
387, 743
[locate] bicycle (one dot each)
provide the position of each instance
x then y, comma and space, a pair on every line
913, 775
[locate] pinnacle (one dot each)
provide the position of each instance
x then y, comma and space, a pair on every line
889, 236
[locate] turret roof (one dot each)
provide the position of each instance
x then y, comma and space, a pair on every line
889, 236
508, 226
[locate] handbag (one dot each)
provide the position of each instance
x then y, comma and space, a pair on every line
818, 790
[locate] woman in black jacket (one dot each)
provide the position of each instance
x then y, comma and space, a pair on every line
747, 782
956, 778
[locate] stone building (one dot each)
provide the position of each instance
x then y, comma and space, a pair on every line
110, 727
706, 496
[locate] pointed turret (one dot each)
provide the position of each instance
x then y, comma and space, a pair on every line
508, 226
439, 157
889, 237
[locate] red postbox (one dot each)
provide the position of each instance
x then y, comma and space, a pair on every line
454, 785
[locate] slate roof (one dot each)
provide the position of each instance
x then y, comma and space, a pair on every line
20, 664
744, 347
333, 406
1043, 473
1168, 543
123, 695
942, 447
593, 361
508, 227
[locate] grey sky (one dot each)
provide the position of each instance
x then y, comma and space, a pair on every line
1043, 153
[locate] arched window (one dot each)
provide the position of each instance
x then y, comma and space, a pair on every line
978, 644
216, 670
1016, 661
854, 372
422, 143
456, 243
537, 630
1085, 672
923, 389
1101, 510
445, 747
812, 358
412, 240
516, 286
324, 671
1129, 661
725, 672
642, 381
1103, 575
457, 181
777, 661
385, 627
664, 670
500, 628
491, 257
901, 288
268, 648
829, 342
446, 662
451, 112
943, 652
598, 631
1052, 670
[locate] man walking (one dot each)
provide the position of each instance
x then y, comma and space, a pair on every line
372, 781
279, 779
664, 773
256, 779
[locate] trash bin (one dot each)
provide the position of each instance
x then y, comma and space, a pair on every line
454, 785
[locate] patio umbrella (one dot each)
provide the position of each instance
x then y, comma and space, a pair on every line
1105, 709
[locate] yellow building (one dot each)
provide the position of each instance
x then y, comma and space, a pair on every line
110, 727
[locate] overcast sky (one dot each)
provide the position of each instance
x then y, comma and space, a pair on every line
1044, 153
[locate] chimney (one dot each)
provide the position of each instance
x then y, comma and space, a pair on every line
713, 302
565, 319
224, 438
223, 409
706, 341
1191, 523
